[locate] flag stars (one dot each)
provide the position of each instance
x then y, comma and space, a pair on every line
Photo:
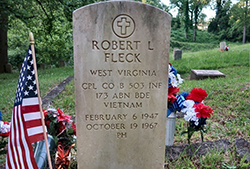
26, 93
29, 77
30, 87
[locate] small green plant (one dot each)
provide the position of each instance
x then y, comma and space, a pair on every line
212, 159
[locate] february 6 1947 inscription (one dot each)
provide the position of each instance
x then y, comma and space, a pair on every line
121, 51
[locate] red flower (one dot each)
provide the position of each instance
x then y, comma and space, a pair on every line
172, 91
74, 127
62, 127
197, 95
5, 134
203, 110
47, 123
62, 117
45, 112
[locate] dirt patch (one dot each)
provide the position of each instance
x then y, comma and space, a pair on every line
46, 100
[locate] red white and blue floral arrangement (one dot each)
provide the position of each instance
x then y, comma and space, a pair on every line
191, 104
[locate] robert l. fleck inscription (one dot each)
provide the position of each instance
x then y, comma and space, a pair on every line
121, 51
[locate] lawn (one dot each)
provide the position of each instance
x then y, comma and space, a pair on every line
228, 97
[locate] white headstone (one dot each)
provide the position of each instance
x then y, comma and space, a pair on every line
222, 46
121, 52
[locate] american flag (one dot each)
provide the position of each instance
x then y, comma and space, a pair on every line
26, 125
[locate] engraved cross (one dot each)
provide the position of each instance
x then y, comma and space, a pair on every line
123, 24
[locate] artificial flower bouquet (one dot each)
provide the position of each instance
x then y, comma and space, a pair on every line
191, 104
4, 133
60, 126
63, 130
4, 127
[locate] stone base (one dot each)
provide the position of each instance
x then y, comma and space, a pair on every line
243, 148
197, 149
203, 74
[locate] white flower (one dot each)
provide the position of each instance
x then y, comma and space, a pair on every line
190, 114
172, 77
169, 68
4, 128
188, 104
180, 80
175, 80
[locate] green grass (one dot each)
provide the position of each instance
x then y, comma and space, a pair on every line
214, 159
228, 97
48, 79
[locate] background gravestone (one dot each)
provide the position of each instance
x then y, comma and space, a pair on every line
203, 74
177, 54
61, 63
222, 46
8, 68
121, 51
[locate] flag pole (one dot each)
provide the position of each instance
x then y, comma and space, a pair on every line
32, 44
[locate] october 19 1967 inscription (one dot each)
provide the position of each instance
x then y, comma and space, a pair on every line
121, 68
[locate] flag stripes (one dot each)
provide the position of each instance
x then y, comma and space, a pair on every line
32, 118
26, 125
18, 157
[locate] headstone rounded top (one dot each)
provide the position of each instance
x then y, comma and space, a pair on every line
118, 1
121, 55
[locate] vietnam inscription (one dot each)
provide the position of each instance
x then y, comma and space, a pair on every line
121, 83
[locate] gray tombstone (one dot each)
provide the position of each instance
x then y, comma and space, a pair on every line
222, 46
8, 68
19, 66
203, 74
121, 52
177, 54
61, 63
42, 66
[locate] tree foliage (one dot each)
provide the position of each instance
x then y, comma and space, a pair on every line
240, 21
189, 13
51, 24
231, 21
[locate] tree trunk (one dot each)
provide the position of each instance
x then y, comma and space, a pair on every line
245, 25
244, 33
186, 16
3, 40
196, 13
194, 34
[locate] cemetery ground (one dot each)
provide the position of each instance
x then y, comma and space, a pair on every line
228, 97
